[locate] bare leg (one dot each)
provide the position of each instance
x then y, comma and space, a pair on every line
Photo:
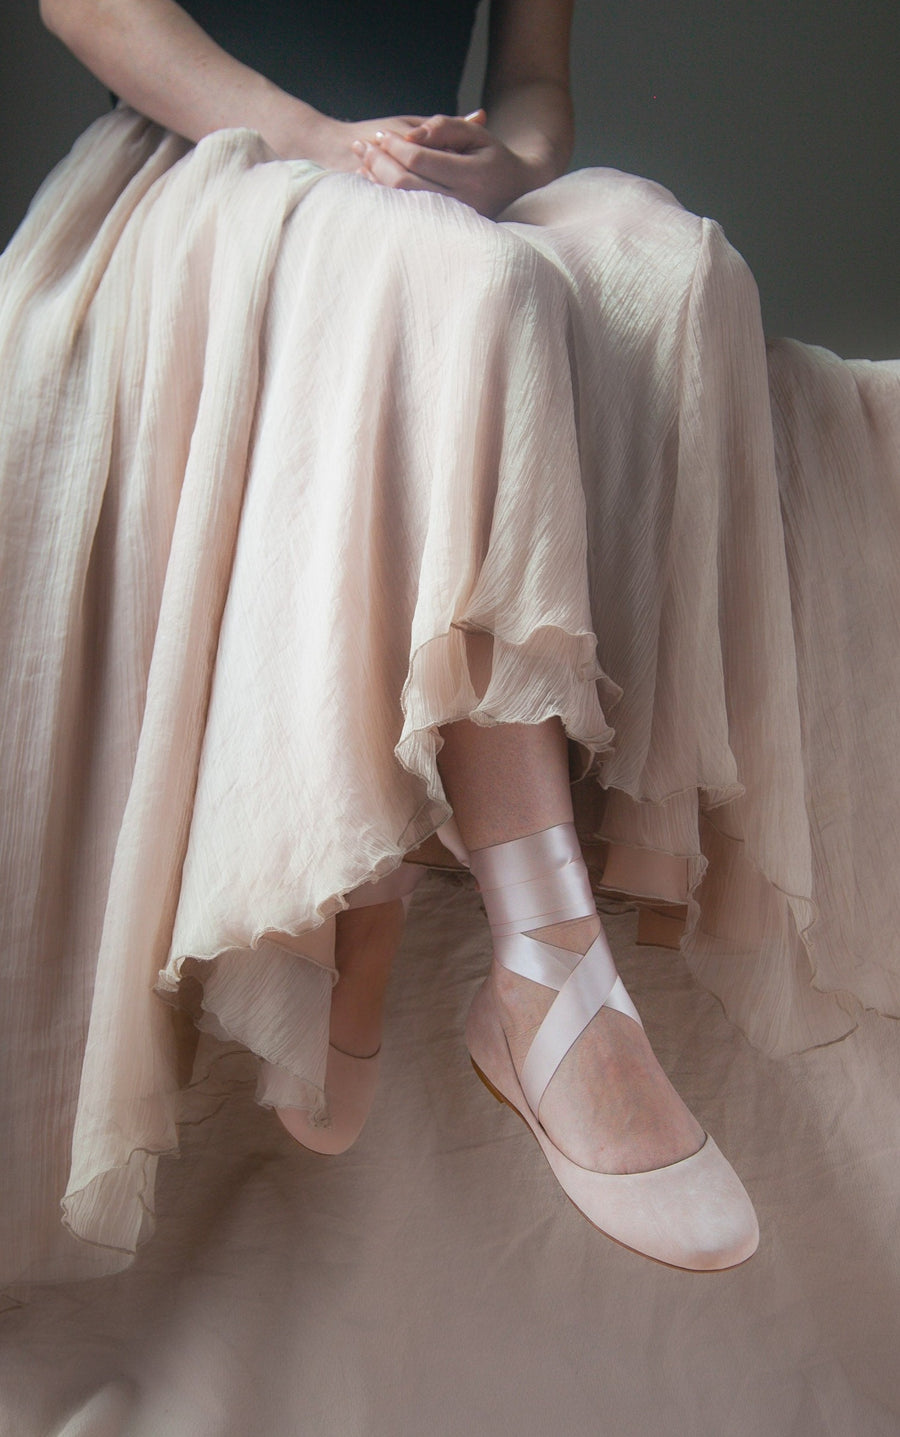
609, 1106
493, 810
366, 941
507, 781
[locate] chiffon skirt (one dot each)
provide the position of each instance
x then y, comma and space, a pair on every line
272, 440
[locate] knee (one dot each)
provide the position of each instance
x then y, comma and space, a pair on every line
463, 260
628, 213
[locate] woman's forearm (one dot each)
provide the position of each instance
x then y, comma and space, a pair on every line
526, 91
153, 55
534, 119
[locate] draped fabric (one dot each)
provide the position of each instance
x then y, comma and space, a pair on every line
271, 442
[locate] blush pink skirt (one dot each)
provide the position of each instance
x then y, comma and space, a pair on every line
271, 441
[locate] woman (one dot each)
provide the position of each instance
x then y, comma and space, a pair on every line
305, 441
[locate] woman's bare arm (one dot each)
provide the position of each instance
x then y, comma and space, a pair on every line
526, 89
152, 54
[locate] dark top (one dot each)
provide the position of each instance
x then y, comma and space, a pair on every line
351, 59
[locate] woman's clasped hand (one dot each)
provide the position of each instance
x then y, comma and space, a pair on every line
451, 155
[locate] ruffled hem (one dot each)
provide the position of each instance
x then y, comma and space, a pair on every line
746, 939
275, 1002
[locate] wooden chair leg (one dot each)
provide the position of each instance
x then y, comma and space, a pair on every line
661, 927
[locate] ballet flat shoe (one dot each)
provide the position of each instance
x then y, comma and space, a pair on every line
350, 1085
692, 1214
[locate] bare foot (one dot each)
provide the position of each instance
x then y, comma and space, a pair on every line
609, 1106
365, 944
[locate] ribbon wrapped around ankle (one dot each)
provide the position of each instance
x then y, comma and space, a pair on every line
534, 881
531, 883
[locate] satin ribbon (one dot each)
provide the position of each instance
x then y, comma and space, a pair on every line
531, 883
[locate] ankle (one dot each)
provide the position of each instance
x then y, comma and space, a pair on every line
356, 1019
521, 1003
367, 939
576, 936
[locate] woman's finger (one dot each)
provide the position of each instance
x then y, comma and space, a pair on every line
452, 132
413, 157
438, 166
386, 170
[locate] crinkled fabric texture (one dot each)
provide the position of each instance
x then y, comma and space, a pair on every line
272, 440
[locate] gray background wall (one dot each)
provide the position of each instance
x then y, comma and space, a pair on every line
777, 117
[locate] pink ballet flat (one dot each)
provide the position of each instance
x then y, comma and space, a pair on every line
350, 1082
350, 1085
692, 1214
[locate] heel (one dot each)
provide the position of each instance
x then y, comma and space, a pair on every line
350, 1085
486, 1043
494, 1092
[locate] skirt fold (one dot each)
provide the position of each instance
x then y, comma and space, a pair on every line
273, 442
